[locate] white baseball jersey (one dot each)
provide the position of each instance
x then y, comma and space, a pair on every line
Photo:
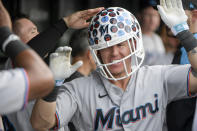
95, 104
20, 119
14, 86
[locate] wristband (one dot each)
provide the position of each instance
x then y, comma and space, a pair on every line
14, 48
179, 28
10, 38
10, 43
187, 39
52, 96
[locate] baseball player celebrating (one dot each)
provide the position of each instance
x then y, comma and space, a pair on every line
23, 83
121, 95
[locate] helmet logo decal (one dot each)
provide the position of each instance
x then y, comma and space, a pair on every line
96, 40
103, 13
110, 10
120, 25
96, 25
94, 32
103, 29
105, 19
91, 28
96, 19
114, 29
112, 14
134, 28
113, 20
107, 37
127, 29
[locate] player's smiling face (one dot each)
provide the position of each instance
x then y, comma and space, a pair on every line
115, 53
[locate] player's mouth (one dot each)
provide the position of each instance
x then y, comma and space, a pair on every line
116, 63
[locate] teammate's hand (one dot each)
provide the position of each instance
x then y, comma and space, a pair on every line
60, 63
79, 19
173, 15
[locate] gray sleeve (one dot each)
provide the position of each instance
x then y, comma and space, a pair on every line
176, 82
66, 105
14, 87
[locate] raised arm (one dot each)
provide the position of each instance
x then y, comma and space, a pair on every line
47, 40
62, 69
4, 16
174, 17
32, 74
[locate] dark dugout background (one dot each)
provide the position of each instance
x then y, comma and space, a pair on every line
46, 12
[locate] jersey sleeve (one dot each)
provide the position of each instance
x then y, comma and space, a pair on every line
14, 89
66, 105
176, 82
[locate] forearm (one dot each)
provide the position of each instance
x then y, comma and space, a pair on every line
43, 115
47, 41
4, 16
38, 72
190, 44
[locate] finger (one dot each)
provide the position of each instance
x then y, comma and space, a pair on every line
179, 4
53, 55
169, 4
76, 66
174, 3
63, 49
86, 24
161, 10
67, 49
94, 11
59, 49
86, 14
163, 4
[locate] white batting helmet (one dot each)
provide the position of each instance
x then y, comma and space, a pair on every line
112, 26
